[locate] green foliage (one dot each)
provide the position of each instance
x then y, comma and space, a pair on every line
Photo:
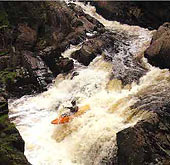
3, 118
3, 53
3, 105
9, 155
3, 19
7, 77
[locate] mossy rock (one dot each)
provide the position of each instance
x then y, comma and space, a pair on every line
3, 19
3, 119
5, 124
4, 52
9, 156
7, 77
12, 145
4, 108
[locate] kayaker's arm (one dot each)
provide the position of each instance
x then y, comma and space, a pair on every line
73, 109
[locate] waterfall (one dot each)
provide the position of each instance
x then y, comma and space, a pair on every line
91, 137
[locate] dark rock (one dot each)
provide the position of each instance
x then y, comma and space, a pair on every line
7, 79
3, 106
77, 22
12, 144
146, 14
15, 59
130, 148
37, 68
113, 46
62, 65
162, 29
27, 37
88, 26
148, 141
49, 53
66, 64
85, 55
145, 143
89, 50
4, 61
59, 17
17, 83
37, 36
30, 61
158, 53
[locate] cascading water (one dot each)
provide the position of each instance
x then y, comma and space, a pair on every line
91, 137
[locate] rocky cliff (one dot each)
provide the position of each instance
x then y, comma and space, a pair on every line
11, 143
145, 14
158, 53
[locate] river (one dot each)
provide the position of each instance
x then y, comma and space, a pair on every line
91, 137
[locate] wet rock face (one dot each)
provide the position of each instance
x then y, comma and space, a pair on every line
65, 64
126, 67
145, 143
37, 36
114, 48
158, 53
155, 98
88, 51
37, 68
27, 37
12, 145
145, 14
148, 141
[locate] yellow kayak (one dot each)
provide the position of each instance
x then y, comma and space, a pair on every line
65, 119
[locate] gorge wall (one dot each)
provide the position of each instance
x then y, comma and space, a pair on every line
145, 14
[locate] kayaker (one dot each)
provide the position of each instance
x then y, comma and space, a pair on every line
74, 107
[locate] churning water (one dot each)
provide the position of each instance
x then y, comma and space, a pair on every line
90, 138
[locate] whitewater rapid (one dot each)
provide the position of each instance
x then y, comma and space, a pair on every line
90, 138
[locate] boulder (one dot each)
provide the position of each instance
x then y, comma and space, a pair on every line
146, 14
62, 65
37, 68
49, 53
113, 47
27, 37
148, 142
158, 53
66, 64
85, 55
162, 29
145, 143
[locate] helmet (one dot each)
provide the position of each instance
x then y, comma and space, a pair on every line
73, 102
